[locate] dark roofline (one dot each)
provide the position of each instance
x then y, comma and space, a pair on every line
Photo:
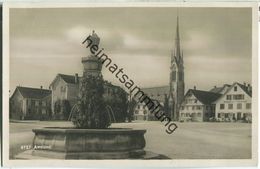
244, 88
61, 74
194, 91
154, 87
18, 88
240, 85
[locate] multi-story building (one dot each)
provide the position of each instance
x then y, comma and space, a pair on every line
235, 104
65, 91
197, 105
30, 104
65, 88
143, 113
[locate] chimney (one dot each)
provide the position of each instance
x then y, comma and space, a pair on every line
41, 87
76, 78
194, 87
215, 87
244, 83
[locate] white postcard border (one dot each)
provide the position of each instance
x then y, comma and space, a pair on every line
130, 163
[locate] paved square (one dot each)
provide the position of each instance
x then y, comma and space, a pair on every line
189, 141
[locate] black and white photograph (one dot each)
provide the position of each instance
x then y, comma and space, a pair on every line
130, 83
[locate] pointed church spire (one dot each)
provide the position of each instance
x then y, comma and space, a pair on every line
177, 41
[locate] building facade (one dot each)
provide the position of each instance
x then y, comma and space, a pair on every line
158, 96
235, 104
142, 112
65, 92
30, 104
65, 89
198, 105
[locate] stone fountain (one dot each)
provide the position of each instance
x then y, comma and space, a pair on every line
91, 138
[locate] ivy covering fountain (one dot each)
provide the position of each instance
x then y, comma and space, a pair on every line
91, 138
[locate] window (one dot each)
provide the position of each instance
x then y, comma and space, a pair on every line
182, 107
198, 107
207, 108
229, 97
33, 103
28, 102
145, 112
174, 75
230, 106
193, 107
180, 76
143, 106
239, 105
36, 103
218, 115
136, 112
238, 97
40, 102
138, 106
248, 106
235, 88
43, 103
43, 111
195, 101
187, 107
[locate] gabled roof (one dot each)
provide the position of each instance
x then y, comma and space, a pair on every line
204, 97
157, 93
34, 93
219, 89
245, 88
68, 78
216, 89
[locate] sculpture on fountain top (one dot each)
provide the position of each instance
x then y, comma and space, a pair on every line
91, 109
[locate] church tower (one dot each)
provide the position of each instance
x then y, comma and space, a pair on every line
176, 77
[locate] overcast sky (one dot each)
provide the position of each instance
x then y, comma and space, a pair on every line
216, 43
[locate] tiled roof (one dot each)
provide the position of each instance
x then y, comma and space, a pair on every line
68, 78
219, 89
157, 93
35, 93
205, 97
216, 89
245, 88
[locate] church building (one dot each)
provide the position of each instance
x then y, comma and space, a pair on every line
177, 87
173, 93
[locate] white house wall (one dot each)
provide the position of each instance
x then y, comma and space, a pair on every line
234, 110
186, 112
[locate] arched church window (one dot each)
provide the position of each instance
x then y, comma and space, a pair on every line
174, 75
180, 76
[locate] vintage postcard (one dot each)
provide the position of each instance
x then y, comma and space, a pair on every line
137, 84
